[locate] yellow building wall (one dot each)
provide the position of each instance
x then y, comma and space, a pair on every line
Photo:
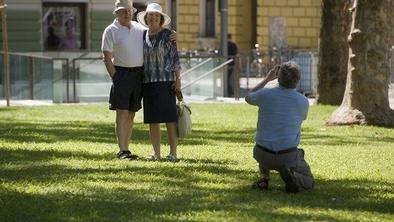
188, 23
240, 23
302, 20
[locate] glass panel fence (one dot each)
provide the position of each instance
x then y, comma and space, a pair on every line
93, 81
42, 79
307, 62
30, 77
20, 77
205, 81
82, 77
61, 81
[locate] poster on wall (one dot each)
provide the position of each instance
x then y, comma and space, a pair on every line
278, 33
62, 26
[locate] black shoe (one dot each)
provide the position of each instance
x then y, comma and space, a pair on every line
261, 184
126, 155
287, 176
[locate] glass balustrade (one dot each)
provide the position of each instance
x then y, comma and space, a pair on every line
30, 77
65, 77
93, 82
205, 80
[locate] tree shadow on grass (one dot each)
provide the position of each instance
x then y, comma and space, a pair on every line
27, 156
164, 191
100, 204
200, 137
89, 131
8, 109
247, 135
52, 132
309, 136
98, 132
209, 161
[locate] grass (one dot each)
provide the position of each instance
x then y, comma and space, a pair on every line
58, 163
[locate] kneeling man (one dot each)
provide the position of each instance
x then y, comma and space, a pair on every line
281, 112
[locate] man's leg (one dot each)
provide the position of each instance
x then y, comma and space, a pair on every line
303, 173
297, 174
123, 128
262, 158
230, 81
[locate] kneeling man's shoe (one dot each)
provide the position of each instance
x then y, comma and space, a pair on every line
261, 184
287, 176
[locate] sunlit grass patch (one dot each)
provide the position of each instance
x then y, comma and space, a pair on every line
58, 163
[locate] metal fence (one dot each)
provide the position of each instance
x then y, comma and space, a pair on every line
82, 77
256, 64
32, 77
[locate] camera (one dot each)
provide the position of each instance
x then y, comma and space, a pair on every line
277, 67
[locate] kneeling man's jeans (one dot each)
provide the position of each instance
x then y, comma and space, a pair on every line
292, 160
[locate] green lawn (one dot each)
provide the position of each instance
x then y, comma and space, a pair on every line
58, 163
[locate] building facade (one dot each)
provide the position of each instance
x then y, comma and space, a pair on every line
45, 25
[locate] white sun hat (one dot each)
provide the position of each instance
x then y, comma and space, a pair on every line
153, 7
124, 4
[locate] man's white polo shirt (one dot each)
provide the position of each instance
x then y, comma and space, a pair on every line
126, 45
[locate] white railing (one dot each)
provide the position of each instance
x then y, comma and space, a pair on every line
207, 73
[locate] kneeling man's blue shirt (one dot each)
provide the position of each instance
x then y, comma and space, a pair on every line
281, 112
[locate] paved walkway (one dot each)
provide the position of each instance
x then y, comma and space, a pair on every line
27, 103
188, 99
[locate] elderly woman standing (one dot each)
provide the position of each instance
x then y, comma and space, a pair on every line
161, 78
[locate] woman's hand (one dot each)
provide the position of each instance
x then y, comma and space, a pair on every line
177, 85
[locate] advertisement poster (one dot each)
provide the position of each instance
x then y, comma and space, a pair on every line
61, 28
278, 33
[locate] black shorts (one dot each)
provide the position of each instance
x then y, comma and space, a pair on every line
126, 90
159, 102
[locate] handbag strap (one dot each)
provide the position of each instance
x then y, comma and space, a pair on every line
179, 95
182, 106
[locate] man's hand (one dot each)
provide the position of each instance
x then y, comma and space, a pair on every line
173, 36
273, 74
107, 58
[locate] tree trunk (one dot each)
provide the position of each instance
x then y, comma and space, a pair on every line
333, 51
366, 95
392, 22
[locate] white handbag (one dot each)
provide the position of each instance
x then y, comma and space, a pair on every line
184, 125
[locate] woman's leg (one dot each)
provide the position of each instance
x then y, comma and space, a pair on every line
172, 137
154, 129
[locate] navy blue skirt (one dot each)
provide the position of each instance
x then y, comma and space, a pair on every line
159, 102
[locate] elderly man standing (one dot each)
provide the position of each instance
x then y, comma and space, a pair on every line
123, 58
281, 112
